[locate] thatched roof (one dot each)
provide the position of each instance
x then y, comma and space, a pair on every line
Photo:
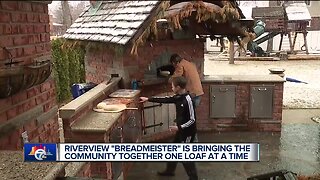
131, 22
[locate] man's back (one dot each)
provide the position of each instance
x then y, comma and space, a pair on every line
190, 72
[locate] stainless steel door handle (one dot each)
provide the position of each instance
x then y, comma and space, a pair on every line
262, 89
223, 89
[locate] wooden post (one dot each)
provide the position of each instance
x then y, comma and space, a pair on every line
270, 45
231, 52
281, 39
294, 39
305, 41
290, 42
221, 40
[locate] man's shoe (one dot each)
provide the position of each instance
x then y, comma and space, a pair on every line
165, 173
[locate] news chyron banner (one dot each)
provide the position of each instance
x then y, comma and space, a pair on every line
73, 152
40, 152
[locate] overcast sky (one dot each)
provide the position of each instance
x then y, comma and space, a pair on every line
55, 4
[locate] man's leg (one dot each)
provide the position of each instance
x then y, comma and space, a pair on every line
191, 170
171, 166
190, 167
196, 101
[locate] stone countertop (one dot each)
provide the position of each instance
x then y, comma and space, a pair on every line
124, 93
96, 122
12, 166
242, 78
223, 78
73, 107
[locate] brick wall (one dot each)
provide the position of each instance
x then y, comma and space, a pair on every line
191, 50
24, 31
93, 169
85, 171
100, 64
67, 122
205, 123
117, 129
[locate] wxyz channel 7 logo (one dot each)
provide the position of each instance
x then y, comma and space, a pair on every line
40, 152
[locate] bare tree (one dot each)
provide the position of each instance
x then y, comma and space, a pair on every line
77, 9
67, 18
57, 13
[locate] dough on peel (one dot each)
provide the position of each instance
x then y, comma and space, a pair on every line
102, 105
111, 107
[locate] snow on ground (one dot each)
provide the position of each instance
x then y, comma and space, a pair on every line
296, 95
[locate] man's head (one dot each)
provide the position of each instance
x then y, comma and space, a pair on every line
178, 84
175, 59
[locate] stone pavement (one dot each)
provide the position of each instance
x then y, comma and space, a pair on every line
296, 149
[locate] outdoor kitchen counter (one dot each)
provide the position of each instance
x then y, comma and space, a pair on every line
96, 122
242, 78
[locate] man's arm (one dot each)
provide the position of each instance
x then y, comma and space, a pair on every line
165, 100
178, 72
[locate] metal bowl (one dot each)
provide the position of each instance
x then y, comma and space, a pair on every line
276, 70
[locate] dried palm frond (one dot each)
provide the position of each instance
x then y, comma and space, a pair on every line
204, 13
165, 5
152, 28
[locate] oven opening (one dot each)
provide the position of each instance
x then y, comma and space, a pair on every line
160, 67
166, 70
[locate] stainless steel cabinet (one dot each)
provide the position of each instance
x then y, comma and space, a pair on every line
223, 101
261, 101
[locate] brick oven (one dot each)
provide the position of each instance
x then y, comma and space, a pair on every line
114, 42
28, 101
130, 40
122, 41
